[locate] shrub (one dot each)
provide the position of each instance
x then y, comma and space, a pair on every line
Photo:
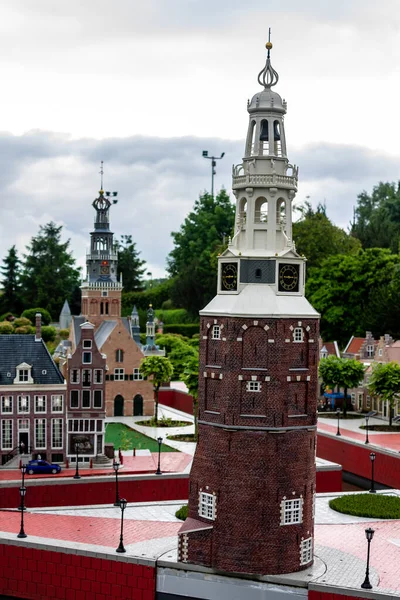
22, 322
49, 333
167, 305
30, 314
8, 316
187, 329
175, 316
6, 327
64, 334
24, 329
379, 506
182, 513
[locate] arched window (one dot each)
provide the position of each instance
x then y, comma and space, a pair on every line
277, 139
119, 356
242, 212
252, 138
261, 211
281, 211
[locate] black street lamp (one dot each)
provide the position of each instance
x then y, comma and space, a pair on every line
159, 440
122, 505
369, 534
372, 457
338, 419
366, 429
22, 491
23, 471
213, 165
116, 466
77, 476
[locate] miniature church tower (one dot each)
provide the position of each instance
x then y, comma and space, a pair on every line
135, 326
252, 482
101, 291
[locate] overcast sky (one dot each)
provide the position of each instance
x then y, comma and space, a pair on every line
146, 86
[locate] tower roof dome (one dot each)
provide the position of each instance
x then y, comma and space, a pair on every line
267, 99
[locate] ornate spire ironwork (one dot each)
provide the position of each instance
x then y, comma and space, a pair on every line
268, 76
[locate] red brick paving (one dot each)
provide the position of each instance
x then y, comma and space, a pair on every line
391, 441
100, 531
171, 462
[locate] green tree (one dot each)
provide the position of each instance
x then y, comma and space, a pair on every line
10, 300
130, 265
192, 263
159, 370
317, 237
377, 217
49, 274
343, 373
341, 287
179, 351
190, 377
385, 383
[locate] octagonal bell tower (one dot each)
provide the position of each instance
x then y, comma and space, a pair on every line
252, 483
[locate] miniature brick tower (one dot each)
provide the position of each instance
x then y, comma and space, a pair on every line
252, 483
101, 292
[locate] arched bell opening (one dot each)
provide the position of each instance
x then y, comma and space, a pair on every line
261, 210
277, 139
264, 137
242, 212
281, 212
251, 138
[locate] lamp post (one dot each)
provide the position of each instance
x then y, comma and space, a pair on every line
122, 505
372, 457
366, 429
77, 476
369, 534
159, 440
22, 491
23, 471
338, 419
116, 466
213, 165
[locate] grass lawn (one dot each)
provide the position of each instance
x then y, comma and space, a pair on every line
379, 506
126, 438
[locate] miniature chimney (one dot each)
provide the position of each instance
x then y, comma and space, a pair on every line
38, 323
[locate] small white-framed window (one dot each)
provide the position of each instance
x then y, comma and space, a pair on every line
137, 376
6, 434
306, 551
216, 332
253, 386
87, 344
85, 398
380, 352
40, 404
23, 404
370, 350
291, 511
207, 506
87, 358
119, 356
57, 403
298, 334
75, 376
23, 373
74, 399
119, 374
40, 434
23, 424
104, 294
97, 399
6, 404
368, 401
353, 398
98, 375
56, 433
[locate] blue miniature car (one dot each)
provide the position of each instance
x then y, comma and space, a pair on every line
41, 466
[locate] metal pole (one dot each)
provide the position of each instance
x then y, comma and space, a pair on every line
366, 428
22, 533
338, 418
121, 547
116, 503
77, 476
366, 585
158, 472
372, 490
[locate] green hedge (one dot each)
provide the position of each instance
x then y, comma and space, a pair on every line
182, 512
30, 314
379, 506
186, 329
175, 316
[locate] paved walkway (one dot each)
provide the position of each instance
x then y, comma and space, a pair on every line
351, 429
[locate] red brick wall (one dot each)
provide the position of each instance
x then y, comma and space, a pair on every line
355, 459
38, 574
87, 492
176, 399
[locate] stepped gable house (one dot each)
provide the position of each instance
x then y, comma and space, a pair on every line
252, 483
32, 391
125, 391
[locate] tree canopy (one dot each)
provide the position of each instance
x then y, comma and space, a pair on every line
317, 237
49, 275
343, 373
159, 370
130, 265
341, 287
377, 217
193, 261
10, 300
385, 383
